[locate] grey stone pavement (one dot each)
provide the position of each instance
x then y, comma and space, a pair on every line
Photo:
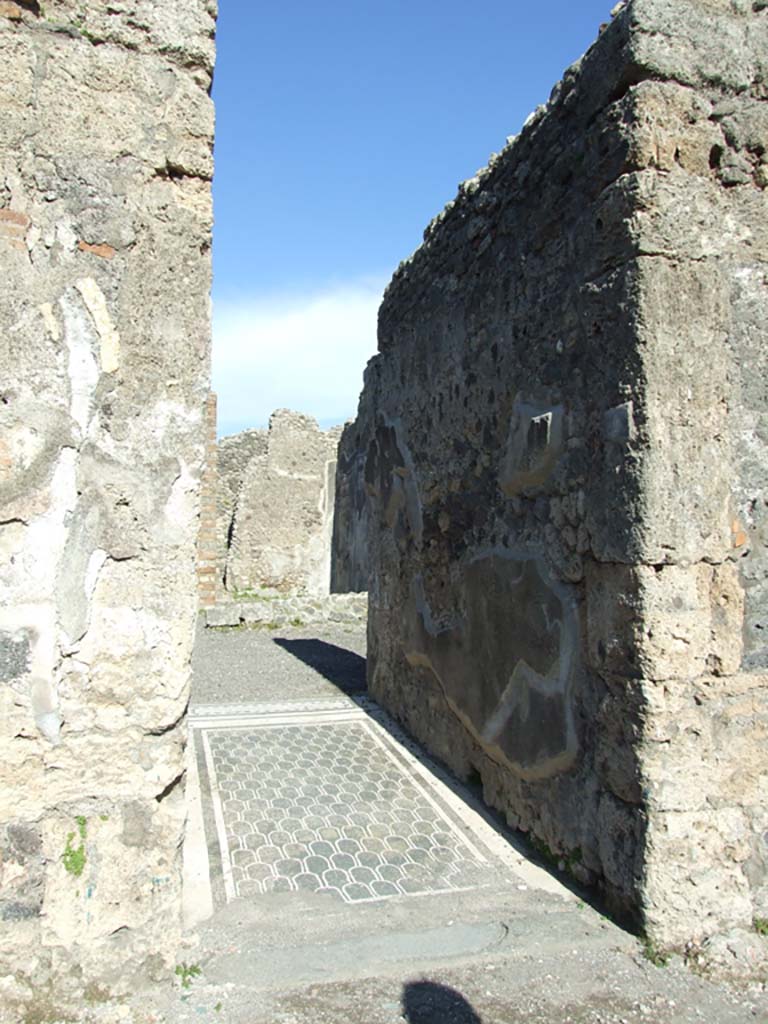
335, 874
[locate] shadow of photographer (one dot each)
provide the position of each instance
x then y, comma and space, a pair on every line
427, 1002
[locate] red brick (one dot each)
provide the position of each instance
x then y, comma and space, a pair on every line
106, 252
14, 217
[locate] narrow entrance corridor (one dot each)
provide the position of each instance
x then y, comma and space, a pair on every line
308, 786
334, 873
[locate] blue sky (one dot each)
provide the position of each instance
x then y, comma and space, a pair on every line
342, 129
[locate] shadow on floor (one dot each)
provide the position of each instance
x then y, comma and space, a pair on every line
426, 1002
343, 668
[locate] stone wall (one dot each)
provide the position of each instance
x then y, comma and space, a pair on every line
280, 536
565, 435
208, 546
349, 543
105, 219
234, 454
277, 612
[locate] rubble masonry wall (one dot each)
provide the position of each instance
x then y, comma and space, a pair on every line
349, 542
565, 438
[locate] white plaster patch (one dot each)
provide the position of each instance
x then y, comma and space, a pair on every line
181, 506
11, 872
166, 417
109, 338
45, 708
64, 484
33, 572
286, 474
95, 563
35, 565
82, 369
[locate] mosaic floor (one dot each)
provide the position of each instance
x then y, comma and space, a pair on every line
319, 796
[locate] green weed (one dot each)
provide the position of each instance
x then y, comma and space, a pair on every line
74, 857
654, 955
186, 972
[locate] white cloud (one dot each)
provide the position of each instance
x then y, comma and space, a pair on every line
304, 352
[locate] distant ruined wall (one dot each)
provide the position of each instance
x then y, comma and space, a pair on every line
566, 436
234, 454
105, 221
281, 536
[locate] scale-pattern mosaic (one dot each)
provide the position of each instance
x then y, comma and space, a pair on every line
324, 807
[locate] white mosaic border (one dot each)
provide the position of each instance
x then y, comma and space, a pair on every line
197, 711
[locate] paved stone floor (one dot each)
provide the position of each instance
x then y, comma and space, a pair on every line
321, 792
328, 796
319, 797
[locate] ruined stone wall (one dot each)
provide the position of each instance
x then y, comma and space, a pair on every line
234, 454
277, 612
349, 544
565, 435
281, 537
105, 220
208, 534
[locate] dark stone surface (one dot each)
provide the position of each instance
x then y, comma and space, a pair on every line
349, 546
14, 656
572, 373
508, 665
21, 845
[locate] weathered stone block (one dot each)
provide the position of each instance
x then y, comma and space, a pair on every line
661, 622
